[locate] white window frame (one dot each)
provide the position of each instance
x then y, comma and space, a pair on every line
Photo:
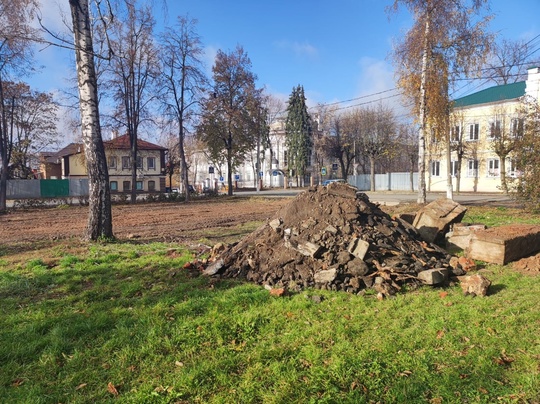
435, 168
493, 167
472, 168
455, 133
126, 163
139, 162
112, 162
151, 163
511, 169
473, 132
495, 124
454, 168
515, 124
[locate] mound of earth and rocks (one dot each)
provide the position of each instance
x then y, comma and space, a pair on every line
333, 238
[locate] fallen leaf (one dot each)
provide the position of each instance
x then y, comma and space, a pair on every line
17, 382
179, 364
132, 368
405, 373
112, 389
443, 295
482, 390
81, 386
504, 360
440, 334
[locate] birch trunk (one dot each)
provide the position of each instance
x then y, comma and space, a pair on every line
4, 145
422, 130
100, 215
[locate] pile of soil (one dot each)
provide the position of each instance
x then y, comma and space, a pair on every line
331, 238
529, 265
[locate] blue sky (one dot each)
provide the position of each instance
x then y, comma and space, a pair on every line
338, 50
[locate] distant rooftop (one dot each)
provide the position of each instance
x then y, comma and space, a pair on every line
492, 94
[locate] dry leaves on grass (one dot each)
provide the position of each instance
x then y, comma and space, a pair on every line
111, 388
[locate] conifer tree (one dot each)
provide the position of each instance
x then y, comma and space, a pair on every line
298, 132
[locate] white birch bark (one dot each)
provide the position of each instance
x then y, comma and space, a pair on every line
100, 215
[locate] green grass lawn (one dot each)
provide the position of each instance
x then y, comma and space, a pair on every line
124, 322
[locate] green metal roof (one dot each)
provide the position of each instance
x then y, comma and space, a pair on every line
492, 94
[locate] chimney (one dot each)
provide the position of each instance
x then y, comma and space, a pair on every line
532, 85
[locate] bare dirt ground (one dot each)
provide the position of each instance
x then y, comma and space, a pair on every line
145, 221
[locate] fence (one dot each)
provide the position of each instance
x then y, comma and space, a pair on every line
385, 182
27, 189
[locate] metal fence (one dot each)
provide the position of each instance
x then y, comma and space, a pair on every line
27, 189
386, 182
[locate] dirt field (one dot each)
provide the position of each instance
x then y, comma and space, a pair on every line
145, 221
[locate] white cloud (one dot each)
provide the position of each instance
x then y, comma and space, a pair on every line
55, 15
299, 49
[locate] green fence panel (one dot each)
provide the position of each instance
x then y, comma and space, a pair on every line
54, 188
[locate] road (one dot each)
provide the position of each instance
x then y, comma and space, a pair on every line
395, 197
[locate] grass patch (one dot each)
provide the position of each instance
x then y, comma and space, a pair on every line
499, 216
124, 322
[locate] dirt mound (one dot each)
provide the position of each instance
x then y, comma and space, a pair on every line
529, 265
332, 238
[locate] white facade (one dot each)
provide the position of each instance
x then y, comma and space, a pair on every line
273, 171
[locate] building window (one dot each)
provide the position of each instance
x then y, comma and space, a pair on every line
493, 168
114, 186
112, 162
436, 168
139, 162
126, 186
139, 185
472, 168
151, 186
454, 168
455, 133
511, 169
495, 129
474, 129
125, 163
285, 157
516, 127
433, 135
151, 162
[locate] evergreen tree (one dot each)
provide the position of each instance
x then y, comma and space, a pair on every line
298, 132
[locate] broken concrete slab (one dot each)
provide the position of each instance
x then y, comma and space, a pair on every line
461, 233
434, 219
358, 248
504, 244
436, 276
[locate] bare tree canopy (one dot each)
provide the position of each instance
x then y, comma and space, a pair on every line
33, 117
16, 35
182, 84
509, 61
131, 73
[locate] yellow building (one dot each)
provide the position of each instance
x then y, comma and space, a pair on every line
484, 127
150, 164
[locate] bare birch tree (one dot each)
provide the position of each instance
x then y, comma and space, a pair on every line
100, 215
449, 34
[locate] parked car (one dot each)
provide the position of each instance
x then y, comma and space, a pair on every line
326, 182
